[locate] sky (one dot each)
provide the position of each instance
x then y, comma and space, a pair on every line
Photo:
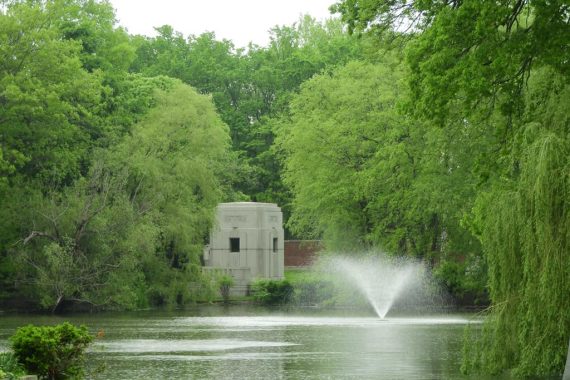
240, 21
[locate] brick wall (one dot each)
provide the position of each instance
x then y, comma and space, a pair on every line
301, 253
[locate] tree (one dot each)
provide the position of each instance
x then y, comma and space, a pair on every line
47, 98
471, 50
63, 94
131, 232
249, 88
363, 173
60, 63
523, 223
504, 65
295, 54
331, 138
90, 179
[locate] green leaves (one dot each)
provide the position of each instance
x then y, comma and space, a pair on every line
494, 75
52, 352
469, 50
250, 88
108, 179
272, 292
137, 220
352, 161
174, 161
48, 99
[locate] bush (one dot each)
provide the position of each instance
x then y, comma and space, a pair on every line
313, 288
314, 291
466, 281
9, 367
52, 352
451, 274
225, 282
271, 292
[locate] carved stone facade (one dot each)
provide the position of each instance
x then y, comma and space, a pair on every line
246, 242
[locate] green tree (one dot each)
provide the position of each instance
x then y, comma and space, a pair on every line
363, 173
52, 352
250, 87
60, 64
469, 50
523, 223
47, 98
328, 144
295, 54
502, 64
131, 232
48, 114
175, 158
63, 94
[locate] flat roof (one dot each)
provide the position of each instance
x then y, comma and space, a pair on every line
247, 204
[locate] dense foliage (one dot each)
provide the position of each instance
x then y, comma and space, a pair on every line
52, 352
225, 283
503, 68
250, 87
110, 165
272, 292
10, 368
364, 174
434, 129
109, 178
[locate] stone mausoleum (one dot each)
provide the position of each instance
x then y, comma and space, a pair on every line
247, 243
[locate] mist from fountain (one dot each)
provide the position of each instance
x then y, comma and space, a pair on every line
381, 280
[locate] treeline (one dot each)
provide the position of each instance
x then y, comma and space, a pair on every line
116, 148
250, 87
108, 177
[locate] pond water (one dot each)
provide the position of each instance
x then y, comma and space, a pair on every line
252, 343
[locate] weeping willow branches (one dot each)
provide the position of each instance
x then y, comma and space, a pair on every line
525, 220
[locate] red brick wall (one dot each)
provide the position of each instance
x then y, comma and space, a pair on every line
301, 253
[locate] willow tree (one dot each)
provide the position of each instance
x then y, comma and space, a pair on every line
502, 63
130, 233
523, 220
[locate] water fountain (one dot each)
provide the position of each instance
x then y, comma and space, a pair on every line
380, 279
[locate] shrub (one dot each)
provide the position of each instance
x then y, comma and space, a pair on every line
271, 292
9, 367
464, 281
314, 288
225, 282
314, 291
52, 352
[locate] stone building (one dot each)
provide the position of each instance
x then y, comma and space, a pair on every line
247, 243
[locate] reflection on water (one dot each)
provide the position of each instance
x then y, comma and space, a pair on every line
183, 345
249, 343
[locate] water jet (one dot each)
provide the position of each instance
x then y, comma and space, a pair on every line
381, 280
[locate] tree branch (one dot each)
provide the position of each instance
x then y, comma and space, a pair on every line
35, 234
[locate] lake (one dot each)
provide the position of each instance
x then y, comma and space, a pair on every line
245, 342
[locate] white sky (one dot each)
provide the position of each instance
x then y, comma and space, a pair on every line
241, 21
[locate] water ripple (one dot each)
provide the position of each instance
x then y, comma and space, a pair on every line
156, 345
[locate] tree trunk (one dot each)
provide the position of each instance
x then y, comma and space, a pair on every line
57, 303
566, 375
